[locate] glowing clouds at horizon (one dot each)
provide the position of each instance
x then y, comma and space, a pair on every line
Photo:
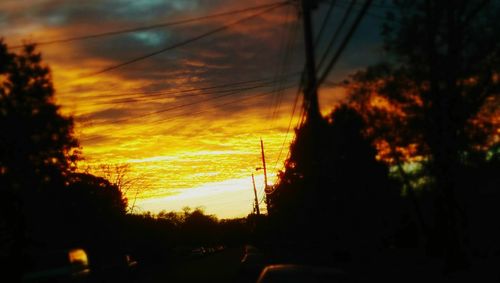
177, 142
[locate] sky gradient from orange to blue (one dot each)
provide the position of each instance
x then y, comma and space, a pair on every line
187, 148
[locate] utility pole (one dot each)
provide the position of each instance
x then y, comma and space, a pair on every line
311, 104
255, 193
266, 189
263, 162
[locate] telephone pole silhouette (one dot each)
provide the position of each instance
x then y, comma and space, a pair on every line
266, 188
256, 199
311, 105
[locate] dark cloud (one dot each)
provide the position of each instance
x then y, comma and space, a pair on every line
106, 115
120, 115
253, 49
97, 11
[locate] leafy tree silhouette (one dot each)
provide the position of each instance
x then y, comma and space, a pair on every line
345, 197
37, 147
91, 194
93, 217
37, 143
436, 100
199, 227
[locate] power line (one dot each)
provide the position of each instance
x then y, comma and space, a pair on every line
344, 43
220, 105
147, 98
279, 67
286, 60
325, 22
374, 15
182, 93
176, 92
373, 5
155, 26
178, 106
299, 90
336, 33
190, 40
300, 122
170, 118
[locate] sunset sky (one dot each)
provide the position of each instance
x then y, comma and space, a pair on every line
187, 148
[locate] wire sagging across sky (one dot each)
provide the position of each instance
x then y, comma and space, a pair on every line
148, 27
189, 40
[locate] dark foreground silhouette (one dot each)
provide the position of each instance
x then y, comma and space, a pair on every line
399, 183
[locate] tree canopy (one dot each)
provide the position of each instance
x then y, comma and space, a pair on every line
44, 201
435, 101
37, 146
345, 188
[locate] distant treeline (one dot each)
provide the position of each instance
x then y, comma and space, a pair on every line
174, 235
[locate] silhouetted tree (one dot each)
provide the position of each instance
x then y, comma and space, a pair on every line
199, 227
120, 176
37, 147
37, 143
94, 217
347, 192
96, 195
435, 101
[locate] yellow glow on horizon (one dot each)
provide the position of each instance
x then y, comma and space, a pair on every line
204, 160
200, 155
227, 199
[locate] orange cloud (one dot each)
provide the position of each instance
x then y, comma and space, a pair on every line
135, 115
